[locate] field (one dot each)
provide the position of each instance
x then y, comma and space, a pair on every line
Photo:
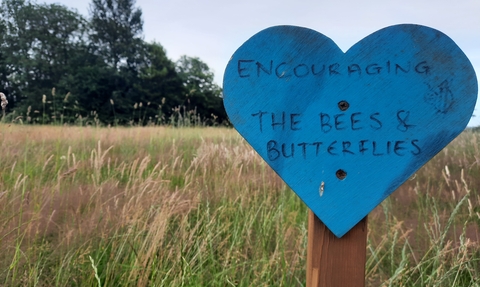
160, 206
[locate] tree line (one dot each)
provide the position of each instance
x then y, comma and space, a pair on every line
58, 66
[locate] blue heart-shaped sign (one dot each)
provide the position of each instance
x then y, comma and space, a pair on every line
344, 130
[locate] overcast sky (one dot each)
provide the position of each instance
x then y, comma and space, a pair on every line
213, 29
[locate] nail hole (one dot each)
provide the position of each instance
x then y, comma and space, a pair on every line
341, 174
343, 105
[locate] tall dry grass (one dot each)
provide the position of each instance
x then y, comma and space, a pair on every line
160, 206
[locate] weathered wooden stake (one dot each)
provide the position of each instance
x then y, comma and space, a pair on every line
333, 261
308, 108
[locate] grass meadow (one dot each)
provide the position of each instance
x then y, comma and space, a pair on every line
163, 206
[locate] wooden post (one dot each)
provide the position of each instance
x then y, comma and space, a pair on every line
333, 261
398, 96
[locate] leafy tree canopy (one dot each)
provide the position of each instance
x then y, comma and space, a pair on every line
201, 92
57, 66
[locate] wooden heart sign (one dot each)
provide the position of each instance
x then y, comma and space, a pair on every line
344, 130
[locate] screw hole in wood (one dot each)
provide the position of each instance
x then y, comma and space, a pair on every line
343, 105
341, 174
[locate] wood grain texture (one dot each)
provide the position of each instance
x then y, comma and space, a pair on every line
333, 261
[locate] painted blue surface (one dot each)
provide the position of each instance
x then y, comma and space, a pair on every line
410, 91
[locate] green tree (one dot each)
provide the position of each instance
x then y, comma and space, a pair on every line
117, 38
202, 93
91, 82
39, 43
159, 86
103, 65
118, 28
